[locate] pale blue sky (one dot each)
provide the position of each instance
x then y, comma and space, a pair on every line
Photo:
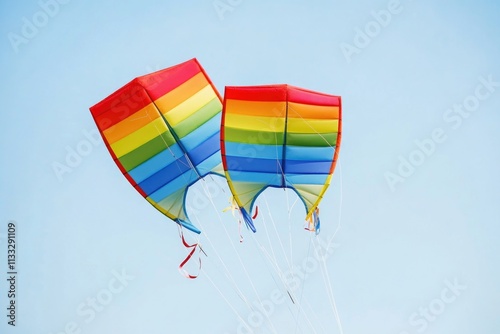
397, 250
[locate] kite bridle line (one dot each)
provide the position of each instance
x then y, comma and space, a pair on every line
324, 270
275, 268
207, 193
266, 257
274, 262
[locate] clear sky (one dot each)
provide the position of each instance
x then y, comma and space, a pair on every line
416, 193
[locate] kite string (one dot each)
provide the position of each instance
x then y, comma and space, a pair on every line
301, 293
324, 270
281, 276
226, 271
267, 257
277, 268
224, 297
273, 260
339, 224
207, 193
329, 289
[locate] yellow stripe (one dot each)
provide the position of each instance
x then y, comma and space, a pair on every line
300, 110
132, 123
162, 210
320, 196
255, 123
181, 93
139, 137
255, 108
190, 106
299, 125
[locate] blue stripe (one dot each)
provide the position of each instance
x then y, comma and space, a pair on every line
165, 175
271, 179
306, 179
254, 150
253, 165
156, 163
207, 130
310, 153
206, 149
307, 167
182, 181
209, 164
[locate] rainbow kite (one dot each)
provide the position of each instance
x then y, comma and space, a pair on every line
279, 136
162, 130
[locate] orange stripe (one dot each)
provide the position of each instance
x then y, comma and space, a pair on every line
299, 110
181, 93
150, 113
132, 123
256, 108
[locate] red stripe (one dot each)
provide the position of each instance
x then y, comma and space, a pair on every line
272, 93
126, 101
305, 96
256, 93
161, 82
140, 92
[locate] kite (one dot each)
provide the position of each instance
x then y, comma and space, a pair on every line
163, 132
279, 136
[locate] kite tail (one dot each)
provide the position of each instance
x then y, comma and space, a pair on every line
248, 219
256, 212
313, 222
193, 248
317, 222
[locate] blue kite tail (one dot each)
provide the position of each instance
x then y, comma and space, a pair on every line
317, 222
248, 219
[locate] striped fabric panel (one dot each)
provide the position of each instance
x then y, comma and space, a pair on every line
253, 136
312, 133
162, 130
279, 136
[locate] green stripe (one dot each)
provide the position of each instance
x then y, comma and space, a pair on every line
314, 139
253, 137
146, 151
198, 118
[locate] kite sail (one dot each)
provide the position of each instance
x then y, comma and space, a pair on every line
163, 132
279, 136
